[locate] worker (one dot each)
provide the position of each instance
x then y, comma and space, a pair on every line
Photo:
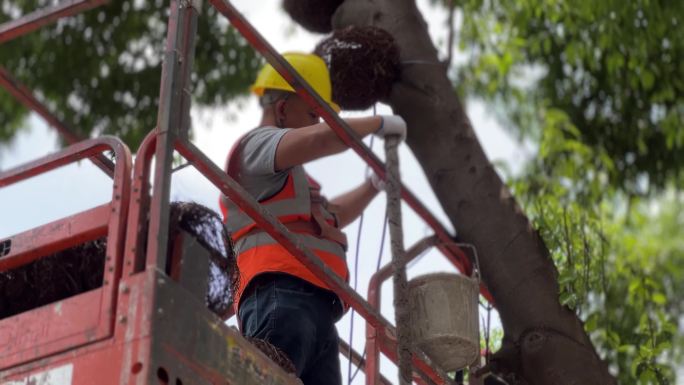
279, 300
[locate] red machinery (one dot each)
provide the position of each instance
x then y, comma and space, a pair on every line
141, 326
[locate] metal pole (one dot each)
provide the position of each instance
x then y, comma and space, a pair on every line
401, 300
136, 232
374, 299
36, 19
172, 120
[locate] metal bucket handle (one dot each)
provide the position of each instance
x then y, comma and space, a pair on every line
475, 273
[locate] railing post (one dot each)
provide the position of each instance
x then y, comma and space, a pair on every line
173, 119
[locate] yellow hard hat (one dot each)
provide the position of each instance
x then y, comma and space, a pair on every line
309, 66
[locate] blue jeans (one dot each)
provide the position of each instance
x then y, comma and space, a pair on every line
298, 318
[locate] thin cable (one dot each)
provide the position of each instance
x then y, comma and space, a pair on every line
350, 377
182, 166
377, 267
486, 325
489, 331
358, 367
356, 280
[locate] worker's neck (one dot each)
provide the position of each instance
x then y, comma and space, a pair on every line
267, 119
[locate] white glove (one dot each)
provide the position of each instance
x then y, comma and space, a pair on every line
392, 125
378, 184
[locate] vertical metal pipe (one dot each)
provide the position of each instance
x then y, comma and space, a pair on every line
401, 302
374, 299
372, 356
172, 119
136, 232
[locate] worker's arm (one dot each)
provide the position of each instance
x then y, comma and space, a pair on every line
305, 144
352, 203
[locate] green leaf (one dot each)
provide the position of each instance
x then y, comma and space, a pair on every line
647, 79
613, 338
647, 376
592, 323
659, 298
636, 368
663, 347
645, 351
567, 298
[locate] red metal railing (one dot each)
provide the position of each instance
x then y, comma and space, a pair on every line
304, 90
91, 315
134, 256
16, 28
171, 132
443, 241
281, 234
41, 17
135, 260
374, 341
22, 94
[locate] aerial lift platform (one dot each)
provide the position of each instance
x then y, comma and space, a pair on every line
147, 323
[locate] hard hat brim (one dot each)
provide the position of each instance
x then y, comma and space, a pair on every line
259, 91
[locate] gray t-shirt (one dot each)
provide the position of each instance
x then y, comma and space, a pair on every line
257, 172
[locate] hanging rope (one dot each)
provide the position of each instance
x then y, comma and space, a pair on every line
401, 301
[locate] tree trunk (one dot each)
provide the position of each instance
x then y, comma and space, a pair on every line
544, 343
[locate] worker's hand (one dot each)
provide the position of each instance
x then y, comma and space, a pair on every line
392, 125
375, 180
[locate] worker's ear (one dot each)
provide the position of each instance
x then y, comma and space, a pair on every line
280, 112
280, 107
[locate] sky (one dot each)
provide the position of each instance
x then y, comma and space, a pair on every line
80, 186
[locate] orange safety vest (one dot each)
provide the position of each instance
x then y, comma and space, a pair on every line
301, 208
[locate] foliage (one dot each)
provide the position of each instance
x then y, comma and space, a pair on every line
492, 339
615, 68
100, 73
620, 257
598, 87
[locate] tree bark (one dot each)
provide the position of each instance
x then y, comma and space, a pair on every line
544, 343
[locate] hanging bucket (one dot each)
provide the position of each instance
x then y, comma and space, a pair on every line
444, 318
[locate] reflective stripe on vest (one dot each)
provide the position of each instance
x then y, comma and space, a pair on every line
291, 203
310, 241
